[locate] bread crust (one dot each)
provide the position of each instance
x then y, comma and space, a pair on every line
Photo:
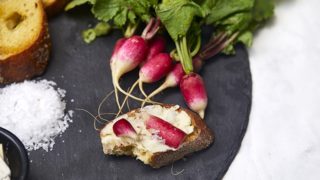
30, 62
56, 7
201, 138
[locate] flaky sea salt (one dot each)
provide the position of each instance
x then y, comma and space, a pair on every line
35, 112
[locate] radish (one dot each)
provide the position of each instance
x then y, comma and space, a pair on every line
172, 80
129, 55
172, 135
156, 46
194, 93
126, 58
123, 128
116, 48
118, 44
154, 69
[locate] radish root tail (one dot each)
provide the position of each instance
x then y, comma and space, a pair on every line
132, 96
142, 90
116, 94
126, 98
155, 92
201, 114
95, 118
102, 102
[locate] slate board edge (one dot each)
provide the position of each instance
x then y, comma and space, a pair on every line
237, 144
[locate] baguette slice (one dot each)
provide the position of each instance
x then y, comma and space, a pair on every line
24, 40
53, 7
199, 136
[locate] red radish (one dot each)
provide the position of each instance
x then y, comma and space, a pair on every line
126, 58
132, 52
123, 128
156, 46
118, 44
194, 93
172, 135
172, 80
154, 69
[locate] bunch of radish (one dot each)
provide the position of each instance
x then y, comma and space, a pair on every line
128, 54
147, 52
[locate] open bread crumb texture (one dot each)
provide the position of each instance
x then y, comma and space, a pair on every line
21, 22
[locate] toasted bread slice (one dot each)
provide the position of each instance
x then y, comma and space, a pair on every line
152, 150
53, 7
24, 40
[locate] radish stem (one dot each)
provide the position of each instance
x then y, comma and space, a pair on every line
197, 47
184, 54
151, 29
147, 28
214, 41
131, 28
213, 50
174, 55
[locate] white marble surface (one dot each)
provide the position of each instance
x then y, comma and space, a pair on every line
283, 137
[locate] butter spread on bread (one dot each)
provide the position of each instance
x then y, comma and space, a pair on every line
147, 144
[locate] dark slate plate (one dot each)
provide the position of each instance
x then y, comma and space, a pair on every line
84, 72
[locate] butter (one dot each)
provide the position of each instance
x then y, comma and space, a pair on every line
1, 152
4, 169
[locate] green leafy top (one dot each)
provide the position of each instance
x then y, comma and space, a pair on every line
221, 9
177, 16
119, 12
239, 17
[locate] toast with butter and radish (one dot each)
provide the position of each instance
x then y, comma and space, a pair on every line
24, 40
157, 135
